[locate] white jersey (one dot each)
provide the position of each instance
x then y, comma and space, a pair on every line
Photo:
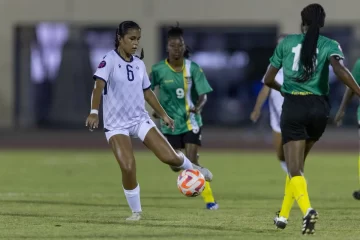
275, 102
123, 96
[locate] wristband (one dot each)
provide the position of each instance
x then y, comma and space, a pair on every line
94, 111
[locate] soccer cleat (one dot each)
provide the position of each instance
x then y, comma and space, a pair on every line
309, 222
280, 222
204, 171
356, 195
212, 206
136, 216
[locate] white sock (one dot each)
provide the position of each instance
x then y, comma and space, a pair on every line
133, 199
187, 164
283, 166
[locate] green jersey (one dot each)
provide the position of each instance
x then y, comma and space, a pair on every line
287, 56
179, 92
356, 75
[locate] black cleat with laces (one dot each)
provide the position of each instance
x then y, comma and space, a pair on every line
309, 222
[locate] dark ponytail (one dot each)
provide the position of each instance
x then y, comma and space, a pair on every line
313, 17
123, 29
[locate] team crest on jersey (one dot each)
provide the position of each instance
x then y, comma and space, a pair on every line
102, 64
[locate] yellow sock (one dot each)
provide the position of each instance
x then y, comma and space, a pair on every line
207, 194
288, 200
299, 187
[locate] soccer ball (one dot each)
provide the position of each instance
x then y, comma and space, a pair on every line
191, 182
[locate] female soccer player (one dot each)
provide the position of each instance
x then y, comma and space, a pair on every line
124, 83
275, 103
341, 112
183, 94
305, 59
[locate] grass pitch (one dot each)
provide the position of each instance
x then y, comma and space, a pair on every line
78, 195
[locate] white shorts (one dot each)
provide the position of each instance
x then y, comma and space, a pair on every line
137, 131
275, 114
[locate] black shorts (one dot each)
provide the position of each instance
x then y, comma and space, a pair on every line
179, 141
304, 117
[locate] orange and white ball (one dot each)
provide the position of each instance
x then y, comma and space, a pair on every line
191, 182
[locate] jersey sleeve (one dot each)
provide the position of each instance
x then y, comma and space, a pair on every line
277, 57
202, 85
104, 69
146, 84
356, 71
334, 49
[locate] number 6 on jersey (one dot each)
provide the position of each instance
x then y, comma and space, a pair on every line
130, 73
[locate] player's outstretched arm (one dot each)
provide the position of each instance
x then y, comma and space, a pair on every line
92, 120
344, 74
269, 78
152, 100
260, 100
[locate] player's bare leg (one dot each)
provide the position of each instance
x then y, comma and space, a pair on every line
191, 151
174, 168
123, 151
308, 146
158, 144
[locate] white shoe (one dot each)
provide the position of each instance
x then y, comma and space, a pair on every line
204, 171
280, 222
136, 216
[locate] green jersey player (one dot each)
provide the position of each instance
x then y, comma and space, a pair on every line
183, 94
340, 114
305, 60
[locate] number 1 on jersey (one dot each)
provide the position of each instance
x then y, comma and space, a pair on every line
296, 50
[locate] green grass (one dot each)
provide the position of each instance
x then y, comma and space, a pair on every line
78, 195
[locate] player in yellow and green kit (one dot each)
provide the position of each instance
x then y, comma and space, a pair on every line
341, 112
305, 60
183, 94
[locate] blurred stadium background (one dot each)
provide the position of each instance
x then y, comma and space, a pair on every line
49, 50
